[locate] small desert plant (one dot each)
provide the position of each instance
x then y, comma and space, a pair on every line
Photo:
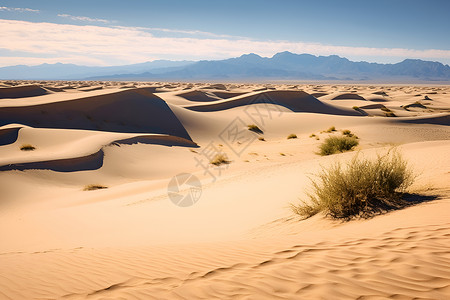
261, 139
27, 147
219, 159
254, 128
331, 129
384, 108
93, 187
292, 136
348, 133
362, 188
282, 154
355, 107
334, 144
312, 135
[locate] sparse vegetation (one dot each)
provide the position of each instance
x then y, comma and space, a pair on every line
312, 135
254, 128
292, 136
261, 139
27, 147
348, 133
335, 144
220, 159
93, 187
355, 107
282, 154
362, 188
330, 130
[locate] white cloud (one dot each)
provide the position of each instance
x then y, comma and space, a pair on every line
83, 19
101, 45
17, 9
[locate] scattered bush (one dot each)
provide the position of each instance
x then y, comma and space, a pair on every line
261, 139
362, 188
220, 159
254, 128
93, 187
348, 133
27, 147
331, 129
282, 154
292, 136
312, 135
334, 144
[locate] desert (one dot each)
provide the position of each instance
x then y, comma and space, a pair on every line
109, 190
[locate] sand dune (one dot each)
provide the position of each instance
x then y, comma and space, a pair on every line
296, 101
22, 91
137, 111
240, 240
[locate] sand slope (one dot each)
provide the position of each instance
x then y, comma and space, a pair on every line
240, 240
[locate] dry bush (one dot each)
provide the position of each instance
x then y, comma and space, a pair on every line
93, 187
362, 188
27, 147
334, 144
292, 136
219, 159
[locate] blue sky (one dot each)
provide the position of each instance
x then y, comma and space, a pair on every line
107, 32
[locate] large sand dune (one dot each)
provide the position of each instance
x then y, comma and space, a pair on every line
127, 240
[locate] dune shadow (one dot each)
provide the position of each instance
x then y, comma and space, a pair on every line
8, 135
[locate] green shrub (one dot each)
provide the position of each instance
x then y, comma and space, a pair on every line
27, 147
362, 188
292, 136
334, 144
254, 128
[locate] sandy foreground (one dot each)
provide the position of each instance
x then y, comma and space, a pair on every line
237, 237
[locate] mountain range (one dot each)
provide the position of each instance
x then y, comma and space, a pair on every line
281, 66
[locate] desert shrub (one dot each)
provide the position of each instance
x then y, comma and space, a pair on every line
362, 188
334, 144
348, 133
292, 136
27, 147
312, 135
219, 159
254, 128
262, 139
331, 129
93, 187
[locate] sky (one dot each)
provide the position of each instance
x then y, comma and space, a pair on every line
110, 32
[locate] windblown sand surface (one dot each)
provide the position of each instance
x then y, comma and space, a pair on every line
128, 240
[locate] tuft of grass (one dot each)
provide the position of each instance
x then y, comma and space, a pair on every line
331, 129
254, 128
348, 133
312, 135
335, 144
93, 187
355, 107
219, 159
27, 147
292, 136
261, 139
362, 188
282, 154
